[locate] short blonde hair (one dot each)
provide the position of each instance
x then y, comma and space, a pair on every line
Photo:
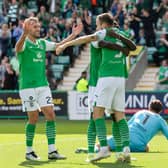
33, 19
106, 18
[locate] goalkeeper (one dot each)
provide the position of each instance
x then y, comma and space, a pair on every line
143, 126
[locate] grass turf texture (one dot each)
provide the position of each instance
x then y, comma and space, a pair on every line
70, 135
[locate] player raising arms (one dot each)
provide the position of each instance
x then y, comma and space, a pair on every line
34, 90
110, 89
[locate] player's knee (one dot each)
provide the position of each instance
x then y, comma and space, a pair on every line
50, 115
98, 113
33, 120
119, 116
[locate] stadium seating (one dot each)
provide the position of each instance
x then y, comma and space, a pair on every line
57, 67
150, 52
58, 71
64, 60
58, 75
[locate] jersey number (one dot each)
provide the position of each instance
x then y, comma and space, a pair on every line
145, 119
48, 100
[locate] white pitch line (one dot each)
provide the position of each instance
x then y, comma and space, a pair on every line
41, 142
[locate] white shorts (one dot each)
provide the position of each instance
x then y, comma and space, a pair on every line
35, 98
91, 98
110, 93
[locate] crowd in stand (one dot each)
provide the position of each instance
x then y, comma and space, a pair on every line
146, 22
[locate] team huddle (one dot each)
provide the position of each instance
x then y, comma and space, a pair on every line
109, 47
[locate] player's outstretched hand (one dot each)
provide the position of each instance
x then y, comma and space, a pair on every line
59, 49
26, 26
77, 29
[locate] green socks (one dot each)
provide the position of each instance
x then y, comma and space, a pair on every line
30, 130
50, 132
101, 131
91, 136
124, 132
117, 137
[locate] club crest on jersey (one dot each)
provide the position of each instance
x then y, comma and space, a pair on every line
39, 55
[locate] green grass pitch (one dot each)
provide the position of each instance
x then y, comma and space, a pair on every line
70, 135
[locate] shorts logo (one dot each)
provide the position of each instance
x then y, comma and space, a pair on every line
31, 101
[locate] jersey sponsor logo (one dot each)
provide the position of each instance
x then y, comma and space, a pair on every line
115, 62
37, 60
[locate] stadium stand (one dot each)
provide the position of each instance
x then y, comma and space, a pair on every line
57, 20
148, 79
81, 64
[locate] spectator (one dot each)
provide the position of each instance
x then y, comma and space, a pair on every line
162, 76
69, 8
128, 31
129, 6
135, 23
2, 19
23, 12
87, 20
2, 75
50, 37
17, 31
163, 7
5, 40
118, 12
148, 26
69, 50
165, 22
5, 7
82, 83
141, 37
43, 30
10, 80
42, 3
162, 50
55, 7
44, 16
13, 12
4, 61
76, 18
85, 4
